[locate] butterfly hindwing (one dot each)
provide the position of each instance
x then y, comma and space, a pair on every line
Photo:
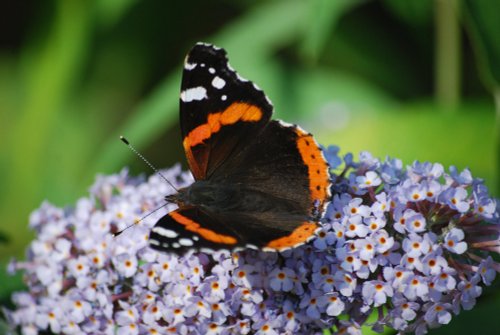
220, 112
283, 187
191, 228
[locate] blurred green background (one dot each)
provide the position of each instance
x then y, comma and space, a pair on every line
413, 79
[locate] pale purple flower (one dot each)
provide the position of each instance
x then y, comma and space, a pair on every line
484, 206
404, 309
415, 287
381, 205
335, 305
456, 198
470, 291
453, 241
349, 261
428, 170
126, 264
445, 281
434, 262
281, 279
313, 303
432, 189
367, 160
332, 156
416, 245
366, 267
355, 226
370, 179
415, 192
128, 329
375, 223
50, 316
345, 283
245, 275
462, 178
401, 215
264, 327
324, 239
355, 208
376, 292
384, 242
415, 223
366, 248
391, 171
487, 270
438, 312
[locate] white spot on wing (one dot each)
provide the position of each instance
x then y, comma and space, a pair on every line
218, 82
223, 97
195, 93
211, 70
154, 242
189, 66
176, 245
165, 232
186, 242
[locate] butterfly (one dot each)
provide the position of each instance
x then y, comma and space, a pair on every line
259, 183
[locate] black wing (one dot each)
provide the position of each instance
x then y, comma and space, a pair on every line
220, 112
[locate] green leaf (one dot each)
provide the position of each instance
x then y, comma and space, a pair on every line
484, 28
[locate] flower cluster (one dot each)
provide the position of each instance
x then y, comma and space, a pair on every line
411, 244
415, 242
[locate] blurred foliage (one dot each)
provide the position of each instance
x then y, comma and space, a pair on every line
414, 79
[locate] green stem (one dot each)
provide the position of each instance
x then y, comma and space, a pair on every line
448, 51
496, 95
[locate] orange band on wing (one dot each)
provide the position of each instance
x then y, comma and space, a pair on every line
207, 234
299, 235
237, 111
312, 156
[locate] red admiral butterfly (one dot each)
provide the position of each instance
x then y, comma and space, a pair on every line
258, 182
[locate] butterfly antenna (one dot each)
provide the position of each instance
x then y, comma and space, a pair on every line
124, 140
139, 220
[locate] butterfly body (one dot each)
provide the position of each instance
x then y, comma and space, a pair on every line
259, 182
226, 198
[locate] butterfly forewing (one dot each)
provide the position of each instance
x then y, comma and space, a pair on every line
220, 112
